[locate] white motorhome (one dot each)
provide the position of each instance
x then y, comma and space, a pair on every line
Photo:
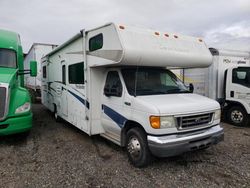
111, 81
227, 80
36, 52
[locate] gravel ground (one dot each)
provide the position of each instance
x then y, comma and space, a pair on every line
59, 155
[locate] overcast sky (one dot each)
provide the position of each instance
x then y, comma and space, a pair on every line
222, 23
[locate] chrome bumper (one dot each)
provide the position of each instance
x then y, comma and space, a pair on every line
171, 145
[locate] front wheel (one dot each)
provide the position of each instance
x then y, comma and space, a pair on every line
237, 116
137, 148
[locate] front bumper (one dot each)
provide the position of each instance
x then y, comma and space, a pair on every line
15, 125
171, 145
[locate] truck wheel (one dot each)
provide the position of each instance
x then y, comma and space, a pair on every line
237, 116
137, 148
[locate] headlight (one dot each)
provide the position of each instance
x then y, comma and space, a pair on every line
217, 114
24, 108
163, 122
167, 122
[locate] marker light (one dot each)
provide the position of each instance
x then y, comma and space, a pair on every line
167, 35
121, 27
175, 36
157, 33
155, 122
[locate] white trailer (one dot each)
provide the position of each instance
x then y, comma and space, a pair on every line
36, 52
111, 81
227, 80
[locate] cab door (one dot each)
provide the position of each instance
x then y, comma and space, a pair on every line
113, 104
238, 86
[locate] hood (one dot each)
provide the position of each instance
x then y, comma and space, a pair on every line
176, 104
7, 74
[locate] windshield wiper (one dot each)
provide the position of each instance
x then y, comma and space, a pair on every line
177, 90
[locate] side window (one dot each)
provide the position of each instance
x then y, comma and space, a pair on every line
44, 72
76, 73
113, 84
241, 76
96, 42
64, 74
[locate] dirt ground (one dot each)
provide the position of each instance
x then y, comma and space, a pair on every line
59, 155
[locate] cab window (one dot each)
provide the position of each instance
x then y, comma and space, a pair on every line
241, 76
113, 85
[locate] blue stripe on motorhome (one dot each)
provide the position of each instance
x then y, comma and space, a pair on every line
83, 101
115, 116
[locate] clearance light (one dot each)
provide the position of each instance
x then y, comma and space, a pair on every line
155, 122
200, 40
175, 36
121, 27
166, 35
157, 33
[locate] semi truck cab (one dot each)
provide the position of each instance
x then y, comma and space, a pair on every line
237, 95
15, 106
226, 80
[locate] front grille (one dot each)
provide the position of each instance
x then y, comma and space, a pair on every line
2, 102
194, 121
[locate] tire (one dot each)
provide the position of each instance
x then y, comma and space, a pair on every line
137, 148
237, 116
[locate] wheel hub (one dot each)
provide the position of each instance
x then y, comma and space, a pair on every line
236, 116
134, 147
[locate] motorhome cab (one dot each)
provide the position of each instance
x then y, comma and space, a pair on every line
111, 81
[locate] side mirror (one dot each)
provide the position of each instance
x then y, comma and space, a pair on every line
191, 87
33, 68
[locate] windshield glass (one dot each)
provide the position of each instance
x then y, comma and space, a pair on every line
152, 81
7, 58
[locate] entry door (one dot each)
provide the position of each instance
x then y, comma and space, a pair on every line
45, 90
64, 97
112, 106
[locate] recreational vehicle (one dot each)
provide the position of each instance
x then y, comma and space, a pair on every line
227, 80
111, 81
35, 53
15, 105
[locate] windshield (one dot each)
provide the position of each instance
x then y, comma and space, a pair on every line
152, 81
7, 58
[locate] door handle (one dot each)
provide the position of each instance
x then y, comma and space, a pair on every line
127, 103
232, 94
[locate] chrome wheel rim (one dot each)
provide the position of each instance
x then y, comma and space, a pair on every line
134, 147
237, 116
